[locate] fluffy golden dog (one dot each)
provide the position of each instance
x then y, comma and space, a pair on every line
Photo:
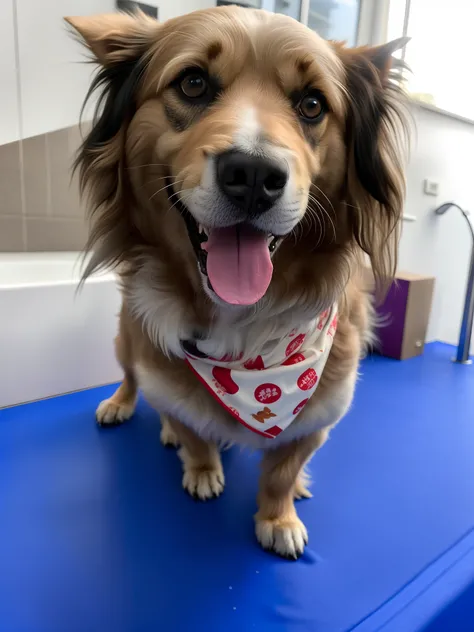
240, 169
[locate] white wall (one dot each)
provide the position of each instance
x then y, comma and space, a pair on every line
9, 116
53, 77
172, 8
440, 245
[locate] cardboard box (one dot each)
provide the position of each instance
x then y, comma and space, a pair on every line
404, 315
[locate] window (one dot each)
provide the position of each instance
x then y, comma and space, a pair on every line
335, 19
332, 19
440, 51
288, 7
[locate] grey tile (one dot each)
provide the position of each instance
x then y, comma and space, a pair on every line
35, 176
55, 234
10, 179
76, 135
11, 234
62, 148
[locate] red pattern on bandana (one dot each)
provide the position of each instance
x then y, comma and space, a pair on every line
307, 380
259, 393
295, 344
300, 406
267, 393
294, 359
255, 365
224, 377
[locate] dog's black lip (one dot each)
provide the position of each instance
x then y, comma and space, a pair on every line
174, 198
195, 237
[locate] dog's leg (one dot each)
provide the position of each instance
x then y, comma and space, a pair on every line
203, 476
278, 527
121, 405
303, 481
168, 436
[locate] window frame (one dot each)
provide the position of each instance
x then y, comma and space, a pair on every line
373, 30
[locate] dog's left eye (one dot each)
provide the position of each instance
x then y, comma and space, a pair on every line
312, 107
194, 85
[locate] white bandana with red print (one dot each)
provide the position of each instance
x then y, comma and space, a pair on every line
267, 393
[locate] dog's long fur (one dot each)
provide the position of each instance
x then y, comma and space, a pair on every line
348, 175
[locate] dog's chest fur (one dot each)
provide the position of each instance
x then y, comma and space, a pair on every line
240, 332
167, 321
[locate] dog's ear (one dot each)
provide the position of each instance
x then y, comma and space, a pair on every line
119, 43
115, 37
376, 131
382, 56
371, 84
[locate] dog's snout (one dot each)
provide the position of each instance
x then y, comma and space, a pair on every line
251, 183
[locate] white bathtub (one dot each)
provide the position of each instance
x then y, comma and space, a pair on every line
53, 341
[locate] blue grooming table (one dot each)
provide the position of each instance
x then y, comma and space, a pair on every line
96, 534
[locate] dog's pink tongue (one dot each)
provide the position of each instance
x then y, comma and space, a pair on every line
238, 264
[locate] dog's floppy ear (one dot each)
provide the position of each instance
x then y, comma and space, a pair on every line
115, 37
371, 88
381, 56
376, 130
119, 43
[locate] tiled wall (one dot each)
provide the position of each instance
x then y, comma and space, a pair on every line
40, 207
43, 83
42, 86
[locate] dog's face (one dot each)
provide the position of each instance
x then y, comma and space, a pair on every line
249, 119
241, 121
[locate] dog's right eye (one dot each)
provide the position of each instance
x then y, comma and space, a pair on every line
194, 85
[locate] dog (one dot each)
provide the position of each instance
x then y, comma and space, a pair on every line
240, 172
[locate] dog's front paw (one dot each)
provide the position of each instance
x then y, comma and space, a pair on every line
285, 536
110, 413
203, 482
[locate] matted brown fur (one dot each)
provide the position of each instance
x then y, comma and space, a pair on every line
347, 172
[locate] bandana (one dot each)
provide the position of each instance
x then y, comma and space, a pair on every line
267, 393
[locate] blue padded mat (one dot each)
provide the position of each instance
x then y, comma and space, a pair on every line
96, 533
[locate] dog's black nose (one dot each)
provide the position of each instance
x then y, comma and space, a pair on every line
251, 183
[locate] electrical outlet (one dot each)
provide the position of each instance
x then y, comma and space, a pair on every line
430, 187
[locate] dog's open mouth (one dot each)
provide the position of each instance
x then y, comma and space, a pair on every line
237, 260
239, 264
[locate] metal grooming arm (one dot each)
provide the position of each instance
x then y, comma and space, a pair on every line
462, 355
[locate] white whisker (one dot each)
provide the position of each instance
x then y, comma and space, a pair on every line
150, 164
322, 193
180, 198
312, 198
163, 188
